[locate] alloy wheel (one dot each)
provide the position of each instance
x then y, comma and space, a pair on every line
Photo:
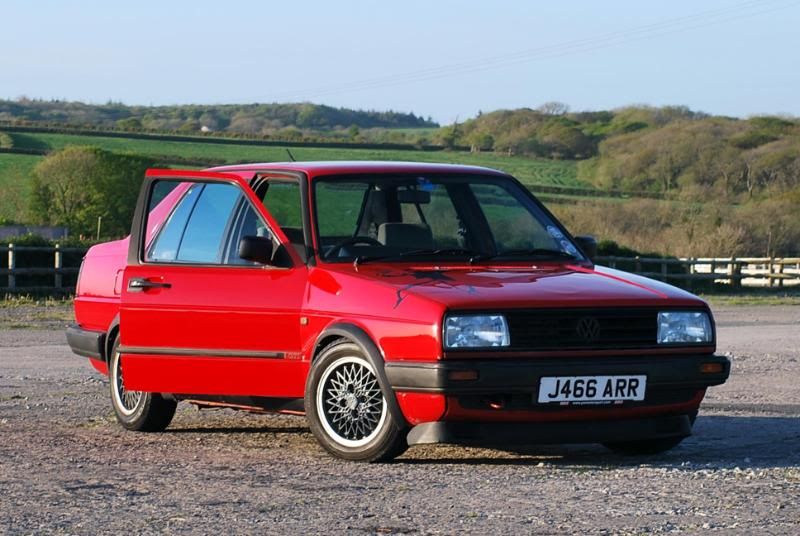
126, 401
350, 402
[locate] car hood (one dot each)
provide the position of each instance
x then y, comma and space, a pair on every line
557, 285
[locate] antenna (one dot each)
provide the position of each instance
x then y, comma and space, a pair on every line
291, 156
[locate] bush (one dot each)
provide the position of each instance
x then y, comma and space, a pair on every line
6, 141
751, 140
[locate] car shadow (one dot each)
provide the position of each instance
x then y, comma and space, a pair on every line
240, 430
746, 442
717, 442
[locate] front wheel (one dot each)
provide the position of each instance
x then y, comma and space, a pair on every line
137, 410
347, 410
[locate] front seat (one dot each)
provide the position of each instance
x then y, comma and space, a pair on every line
405, 235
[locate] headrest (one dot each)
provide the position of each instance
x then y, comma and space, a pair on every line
405, 235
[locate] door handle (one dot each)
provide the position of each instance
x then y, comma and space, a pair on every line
138, 284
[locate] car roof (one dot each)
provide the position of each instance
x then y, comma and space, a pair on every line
316, 169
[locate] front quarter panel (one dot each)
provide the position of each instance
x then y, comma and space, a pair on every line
403, 327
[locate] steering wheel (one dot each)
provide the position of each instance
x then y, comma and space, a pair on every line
334, 251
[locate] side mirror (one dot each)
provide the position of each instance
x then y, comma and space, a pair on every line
589, 246
256, 249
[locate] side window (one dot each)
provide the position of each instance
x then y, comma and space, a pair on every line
195, 231
165, 247
247, 223
282, 199
202, 239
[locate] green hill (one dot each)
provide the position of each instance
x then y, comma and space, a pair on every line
255, 119
656, 179
672, 150
16, 169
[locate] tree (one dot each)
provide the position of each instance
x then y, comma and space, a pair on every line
448, 136
480, 141
553, 108
129, 123
77, 185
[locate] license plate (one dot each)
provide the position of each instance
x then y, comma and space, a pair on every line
591, 388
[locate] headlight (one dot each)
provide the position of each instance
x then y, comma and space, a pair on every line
684, 327
476, 331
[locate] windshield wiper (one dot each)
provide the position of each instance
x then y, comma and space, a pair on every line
533, 252
473, 255
440, 251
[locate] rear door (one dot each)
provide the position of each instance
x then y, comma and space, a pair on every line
196, 318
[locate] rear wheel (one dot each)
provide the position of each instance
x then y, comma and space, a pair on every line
347, 410
136, 410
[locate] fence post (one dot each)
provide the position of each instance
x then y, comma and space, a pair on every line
12, 265
638, 267
664, 271
692, 271
780, 271
738, 273
731, 273
770, 271
59, 263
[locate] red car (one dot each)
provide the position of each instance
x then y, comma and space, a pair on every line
393, 304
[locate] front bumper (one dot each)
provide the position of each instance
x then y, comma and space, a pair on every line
500, 406
522, 376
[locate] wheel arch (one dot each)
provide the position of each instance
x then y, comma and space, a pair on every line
350, 332
111, 335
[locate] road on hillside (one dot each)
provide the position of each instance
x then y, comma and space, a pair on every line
66, 467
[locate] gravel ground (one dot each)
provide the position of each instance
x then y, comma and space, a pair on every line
66, 467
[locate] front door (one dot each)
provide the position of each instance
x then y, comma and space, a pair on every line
196, 319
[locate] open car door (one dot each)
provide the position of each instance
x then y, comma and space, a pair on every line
196, 317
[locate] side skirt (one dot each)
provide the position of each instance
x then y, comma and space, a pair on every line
252, 404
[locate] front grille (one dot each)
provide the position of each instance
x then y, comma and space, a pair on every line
592, 329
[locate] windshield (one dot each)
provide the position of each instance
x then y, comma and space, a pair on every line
443, 217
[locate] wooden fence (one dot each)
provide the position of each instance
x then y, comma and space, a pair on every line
51, 276
56, 276
736, 272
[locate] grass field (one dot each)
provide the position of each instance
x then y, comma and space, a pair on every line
754, 296
15, 170
528, 170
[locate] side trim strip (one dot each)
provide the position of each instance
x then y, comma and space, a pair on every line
199, 352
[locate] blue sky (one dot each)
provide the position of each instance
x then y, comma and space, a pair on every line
447, 59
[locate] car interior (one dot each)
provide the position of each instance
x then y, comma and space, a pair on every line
391, 221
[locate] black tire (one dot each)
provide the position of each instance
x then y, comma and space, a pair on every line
347, 409
644, 447
136, 410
